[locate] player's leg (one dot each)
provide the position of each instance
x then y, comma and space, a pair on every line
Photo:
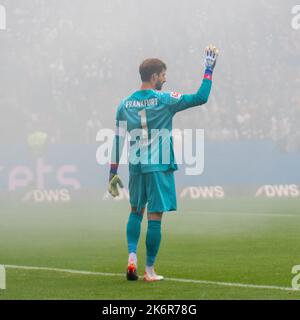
161, 196
133, 228
153, 239
133, 231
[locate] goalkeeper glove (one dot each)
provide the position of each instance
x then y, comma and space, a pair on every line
114, 181
210, 60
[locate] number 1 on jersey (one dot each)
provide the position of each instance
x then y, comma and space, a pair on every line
143, 116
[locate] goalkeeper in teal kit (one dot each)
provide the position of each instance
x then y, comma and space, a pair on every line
145, 115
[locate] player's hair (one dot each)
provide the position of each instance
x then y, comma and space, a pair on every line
150, 66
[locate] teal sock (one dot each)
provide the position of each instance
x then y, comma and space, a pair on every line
153, 240
133, 231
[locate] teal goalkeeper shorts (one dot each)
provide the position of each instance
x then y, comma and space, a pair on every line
157, 189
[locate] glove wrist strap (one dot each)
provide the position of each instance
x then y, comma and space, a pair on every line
114, 168
208, 74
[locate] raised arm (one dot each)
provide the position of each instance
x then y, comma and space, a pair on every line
179, 102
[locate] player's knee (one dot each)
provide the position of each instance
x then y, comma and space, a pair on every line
134, 210
155, 216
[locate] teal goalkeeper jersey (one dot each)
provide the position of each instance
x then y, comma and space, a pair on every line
147, 116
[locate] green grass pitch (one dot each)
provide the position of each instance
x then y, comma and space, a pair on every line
254, 242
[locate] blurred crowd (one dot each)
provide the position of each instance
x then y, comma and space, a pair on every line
66, 64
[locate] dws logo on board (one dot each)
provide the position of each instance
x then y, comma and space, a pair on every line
278, 191
40, 196
203, 192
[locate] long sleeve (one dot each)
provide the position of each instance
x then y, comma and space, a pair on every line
118, 144
177, 102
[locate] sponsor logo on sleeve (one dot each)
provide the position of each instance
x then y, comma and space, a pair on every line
175, 95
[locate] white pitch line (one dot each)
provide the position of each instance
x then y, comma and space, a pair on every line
264, 214
233, 284
107, 274
65, 270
